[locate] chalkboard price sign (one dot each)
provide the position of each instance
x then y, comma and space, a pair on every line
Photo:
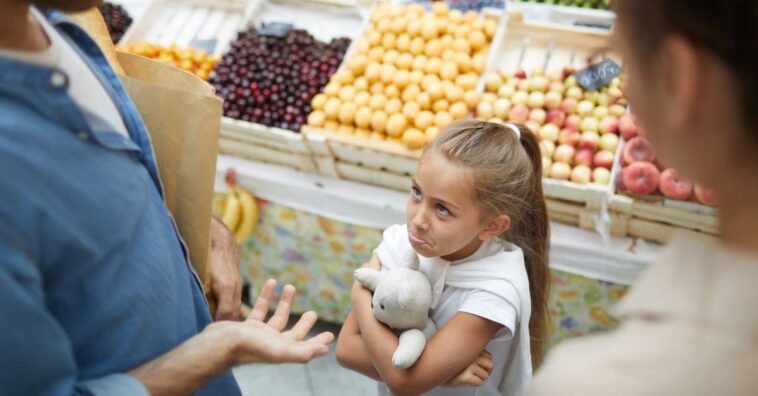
276, 29
598, 75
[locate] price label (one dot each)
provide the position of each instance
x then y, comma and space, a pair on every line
275, 29
599, 75
207, 45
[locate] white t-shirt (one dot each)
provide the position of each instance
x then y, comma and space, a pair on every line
83, 85
453, 300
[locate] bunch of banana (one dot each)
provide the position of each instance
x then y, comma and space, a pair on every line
240, 210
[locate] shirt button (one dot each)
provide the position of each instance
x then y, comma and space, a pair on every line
82, 135
57, 79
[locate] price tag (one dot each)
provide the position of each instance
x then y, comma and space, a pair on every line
598, 75
275, 29
207, 45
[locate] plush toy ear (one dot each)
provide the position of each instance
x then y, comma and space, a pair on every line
367, 277
410, 260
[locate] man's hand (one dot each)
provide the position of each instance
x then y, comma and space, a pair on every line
475, 374
226, 282
267, 342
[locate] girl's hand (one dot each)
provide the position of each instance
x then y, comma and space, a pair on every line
475, 374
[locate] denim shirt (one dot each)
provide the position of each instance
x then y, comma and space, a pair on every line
94, 278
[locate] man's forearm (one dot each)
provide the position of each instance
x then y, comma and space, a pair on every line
191, 365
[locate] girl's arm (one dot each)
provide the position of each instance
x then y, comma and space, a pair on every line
351, 351
448, 353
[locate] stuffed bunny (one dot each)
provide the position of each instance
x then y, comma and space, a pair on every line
402, 298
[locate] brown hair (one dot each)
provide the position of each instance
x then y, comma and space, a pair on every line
726, 28
507, 179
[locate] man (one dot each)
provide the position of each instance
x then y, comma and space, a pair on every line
691, 323
96, 292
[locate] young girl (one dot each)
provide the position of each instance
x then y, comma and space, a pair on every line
477, 218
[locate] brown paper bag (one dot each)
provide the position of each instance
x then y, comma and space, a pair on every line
183, 117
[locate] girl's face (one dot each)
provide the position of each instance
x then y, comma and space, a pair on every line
444, 219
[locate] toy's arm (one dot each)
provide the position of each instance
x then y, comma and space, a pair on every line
351, 351
448, 353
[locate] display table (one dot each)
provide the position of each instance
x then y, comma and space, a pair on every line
314, 231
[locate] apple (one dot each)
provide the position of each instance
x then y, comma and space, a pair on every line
546, 164
570, 81
609, 124
608, 142
581, 174
615, 93
493, 82
549, 132
506, 91
556, 116
538, 115
521, 73
485, 110
547, 148
584, 108
600, 112
556, 86
569, 105
601, 176
533, 125
501, 108
589, 124
705, 195
572, 122
523, 85
539, 83
553, 100
569, 136
560, 170
536, 99
564, 153
584, 157
603, 159
519, 114
574, 92
520, 98
628, 126
589, 140
616, 110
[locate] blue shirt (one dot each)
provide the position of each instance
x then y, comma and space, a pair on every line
94, 278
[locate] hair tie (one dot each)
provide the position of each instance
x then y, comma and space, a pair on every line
515, 130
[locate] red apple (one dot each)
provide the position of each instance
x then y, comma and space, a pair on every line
572, 122
569, 105
569, 136
557, 117
674, 187
581, 174
584, 157
704, 195
638, 150
642, 178
520, 73
564, 153
609, 124
628, 126
519, 114
589, 140
603, 159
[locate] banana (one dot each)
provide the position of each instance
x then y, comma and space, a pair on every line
249, 215
232, 210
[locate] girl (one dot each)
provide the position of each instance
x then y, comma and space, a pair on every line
477, 218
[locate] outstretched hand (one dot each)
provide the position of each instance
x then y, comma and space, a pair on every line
268, 342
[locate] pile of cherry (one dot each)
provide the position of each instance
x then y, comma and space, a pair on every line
271, 80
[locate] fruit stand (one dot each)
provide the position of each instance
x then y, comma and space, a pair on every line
330, 157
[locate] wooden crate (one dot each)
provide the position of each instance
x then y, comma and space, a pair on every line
213, 25
657, 219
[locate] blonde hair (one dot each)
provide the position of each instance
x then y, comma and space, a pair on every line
507, 179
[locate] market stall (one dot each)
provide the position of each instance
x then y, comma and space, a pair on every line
329, 157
